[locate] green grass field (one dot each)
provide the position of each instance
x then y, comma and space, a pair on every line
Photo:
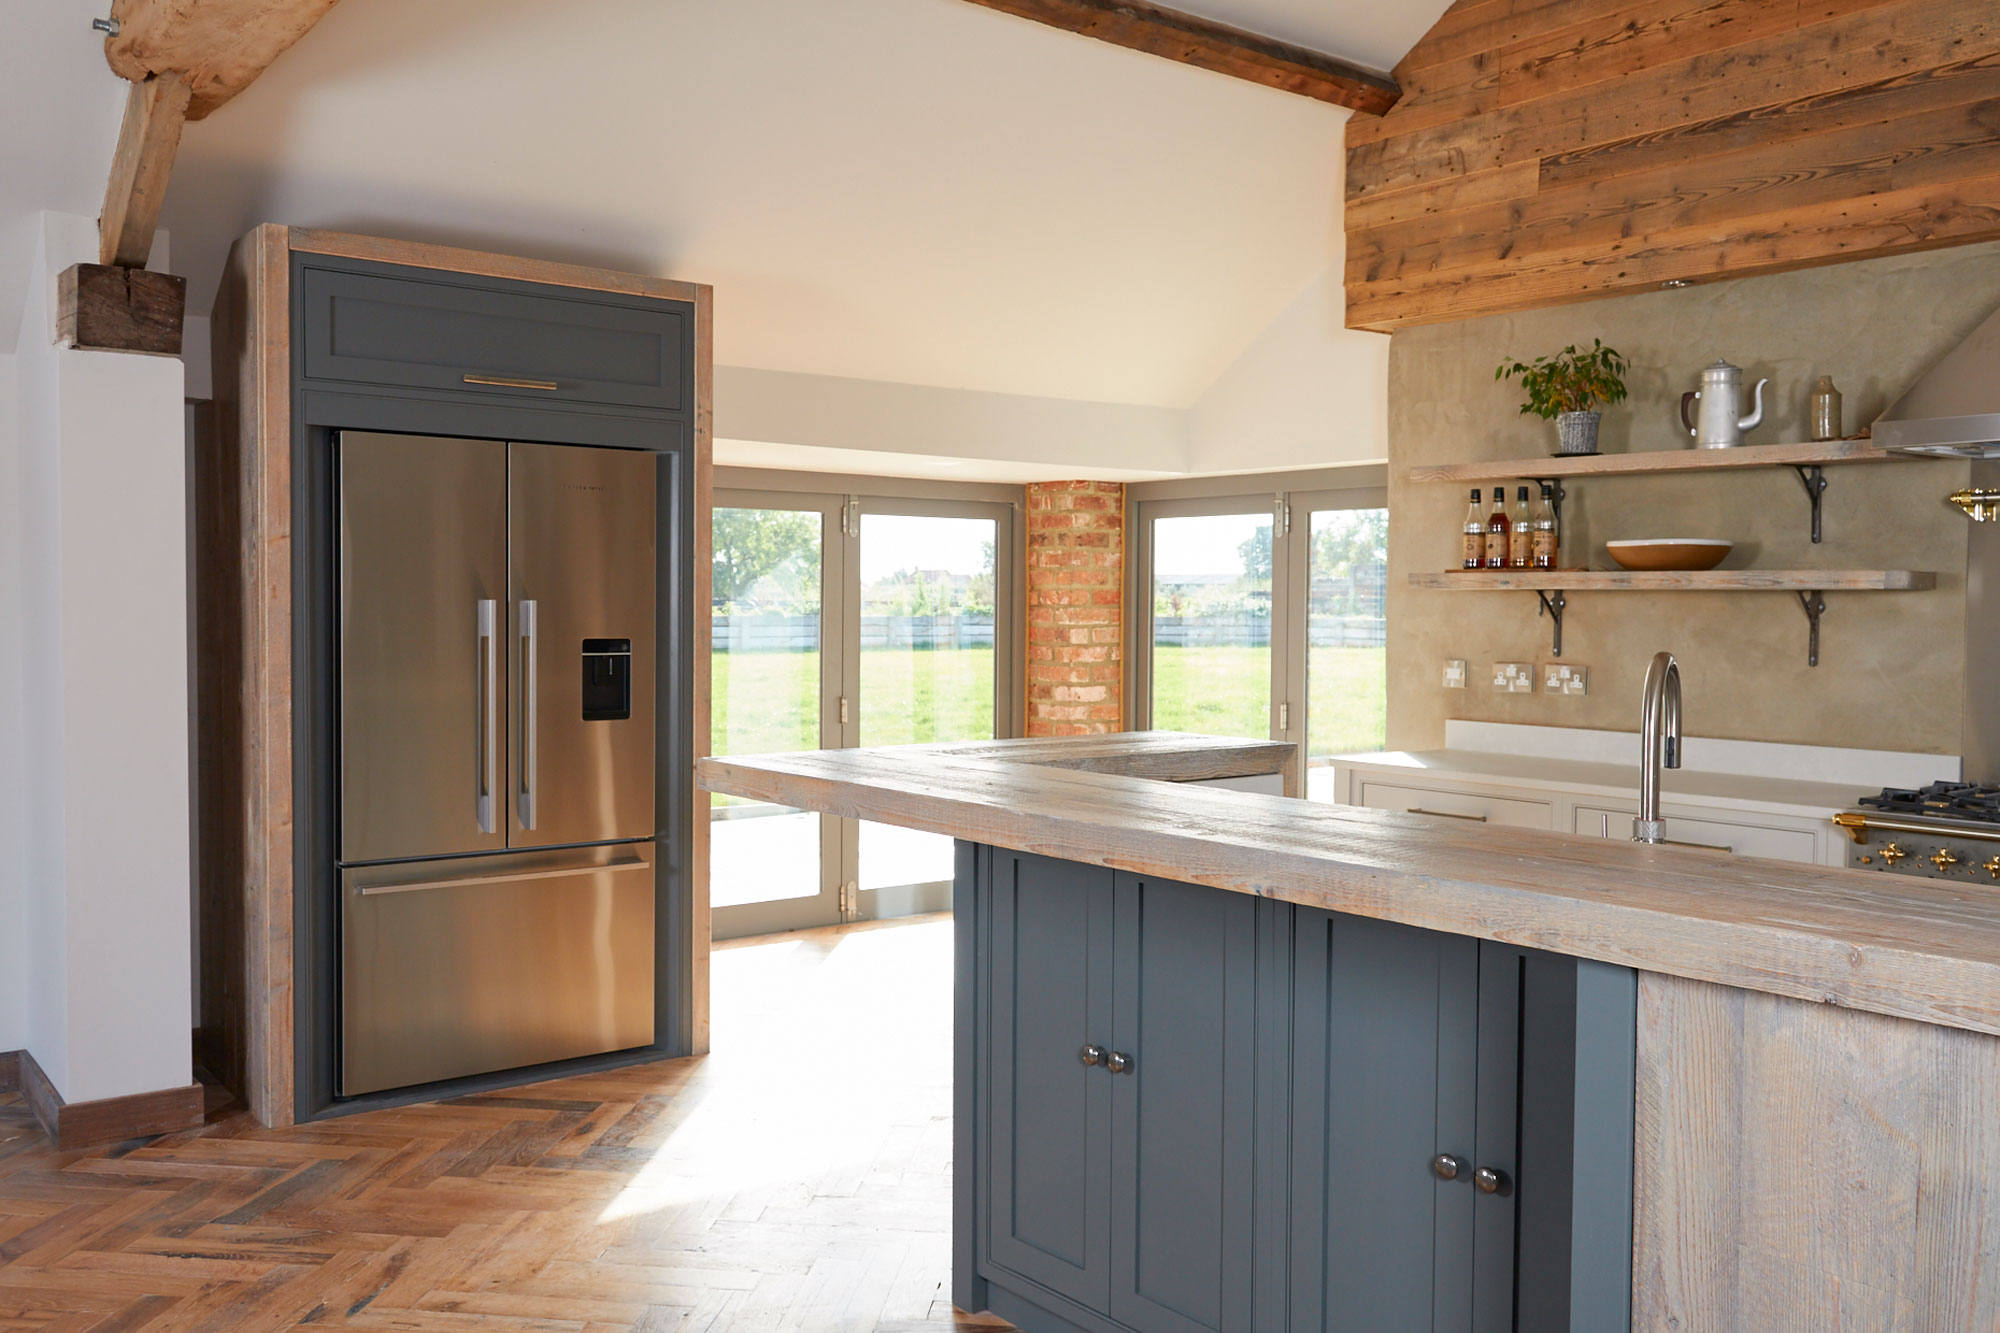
766, 702
1227, 692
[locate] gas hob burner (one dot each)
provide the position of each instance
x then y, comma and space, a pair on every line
1975, 802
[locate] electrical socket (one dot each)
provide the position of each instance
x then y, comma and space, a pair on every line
1514, 677
1565, 678
1454, 673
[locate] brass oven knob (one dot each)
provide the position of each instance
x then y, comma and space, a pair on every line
1992, 867
1893, 853
1943, 859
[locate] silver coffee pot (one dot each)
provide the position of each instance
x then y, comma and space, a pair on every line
1718, 425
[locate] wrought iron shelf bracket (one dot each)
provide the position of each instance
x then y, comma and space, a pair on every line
1552, 606
1815, 607
1814, 480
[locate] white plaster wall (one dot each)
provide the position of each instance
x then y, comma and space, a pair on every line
104, 701
1308, 392
921, 427
13, 786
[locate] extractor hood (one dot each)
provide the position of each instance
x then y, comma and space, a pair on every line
1954, 410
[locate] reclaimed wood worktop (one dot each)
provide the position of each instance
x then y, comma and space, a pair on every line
1909, 948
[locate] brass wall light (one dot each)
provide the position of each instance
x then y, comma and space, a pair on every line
1981, 506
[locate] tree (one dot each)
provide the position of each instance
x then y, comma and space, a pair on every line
753, 543
1350, 539
1256, 552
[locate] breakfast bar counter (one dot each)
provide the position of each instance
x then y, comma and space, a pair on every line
1807, 1060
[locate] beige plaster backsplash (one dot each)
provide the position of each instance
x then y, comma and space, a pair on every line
1891, 673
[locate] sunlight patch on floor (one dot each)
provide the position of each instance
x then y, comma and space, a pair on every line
831, 1066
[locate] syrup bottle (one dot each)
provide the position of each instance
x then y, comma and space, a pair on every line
1498, 529
1545, 539
1475, 535
1521, 534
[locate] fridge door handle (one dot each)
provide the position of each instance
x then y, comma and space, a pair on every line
529, 643
489, 711
501, 877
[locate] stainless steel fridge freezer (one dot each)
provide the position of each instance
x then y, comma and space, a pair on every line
497, 640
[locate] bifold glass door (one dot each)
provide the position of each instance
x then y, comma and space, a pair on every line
844, 620
926, 672
771, 867
1262, 615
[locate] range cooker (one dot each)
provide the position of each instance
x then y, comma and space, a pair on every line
1948, 830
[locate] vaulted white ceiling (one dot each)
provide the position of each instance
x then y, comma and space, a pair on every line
922, 191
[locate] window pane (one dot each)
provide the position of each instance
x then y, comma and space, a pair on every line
765, 697
1212, 624
1346, 654
927, 590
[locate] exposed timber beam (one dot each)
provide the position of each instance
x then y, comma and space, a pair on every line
218, 46
1213, 46
155, 110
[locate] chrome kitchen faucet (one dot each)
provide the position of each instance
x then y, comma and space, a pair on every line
1659, 709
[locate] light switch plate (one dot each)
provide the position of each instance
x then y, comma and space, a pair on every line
1454, 673
1565, 678
1514, 677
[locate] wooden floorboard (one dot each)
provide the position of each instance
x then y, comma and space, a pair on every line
797, 1179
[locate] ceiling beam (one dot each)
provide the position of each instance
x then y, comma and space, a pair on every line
155, 110
1212, 46
218, 46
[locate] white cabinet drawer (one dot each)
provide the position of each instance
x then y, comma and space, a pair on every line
1476, 806
1744, 839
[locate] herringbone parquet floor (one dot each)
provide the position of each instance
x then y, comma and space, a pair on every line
798, 1179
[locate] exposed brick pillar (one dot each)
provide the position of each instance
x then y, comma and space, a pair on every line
1076, 607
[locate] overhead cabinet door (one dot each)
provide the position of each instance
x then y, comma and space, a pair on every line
495, 338
423, 588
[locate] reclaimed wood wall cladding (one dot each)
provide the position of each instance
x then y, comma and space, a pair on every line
1804, 1167
1546, 151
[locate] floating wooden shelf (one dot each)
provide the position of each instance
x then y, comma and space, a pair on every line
1701, 580
1552, 586
1808, 460
1547, 467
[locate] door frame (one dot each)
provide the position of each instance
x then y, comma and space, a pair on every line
1008, 698
1287, 496
843, 499
1139, 597
823, 907
1299, 506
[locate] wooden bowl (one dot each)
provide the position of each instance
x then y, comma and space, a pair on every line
1677, 553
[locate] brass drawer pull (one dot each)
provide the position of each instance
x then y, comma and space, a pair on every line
505, 382
1704, 846
1446, 814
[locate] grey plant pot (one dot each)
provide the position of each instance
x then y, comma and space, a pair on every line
1576, 432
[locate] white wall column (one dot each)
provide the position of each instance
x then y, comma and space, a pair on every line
100, 595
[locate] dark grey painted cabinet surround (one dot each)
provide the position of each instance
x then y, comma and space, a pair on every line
1266, 1163
411, 351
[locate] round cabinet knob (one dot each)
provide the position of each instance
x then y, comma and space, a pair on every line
1119, 1063
1091, 1055
1893, 853
1491, 1181
1447, 1166
1943, 859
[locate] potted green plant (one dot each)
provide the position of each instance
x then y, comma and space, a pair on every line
1567, 388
